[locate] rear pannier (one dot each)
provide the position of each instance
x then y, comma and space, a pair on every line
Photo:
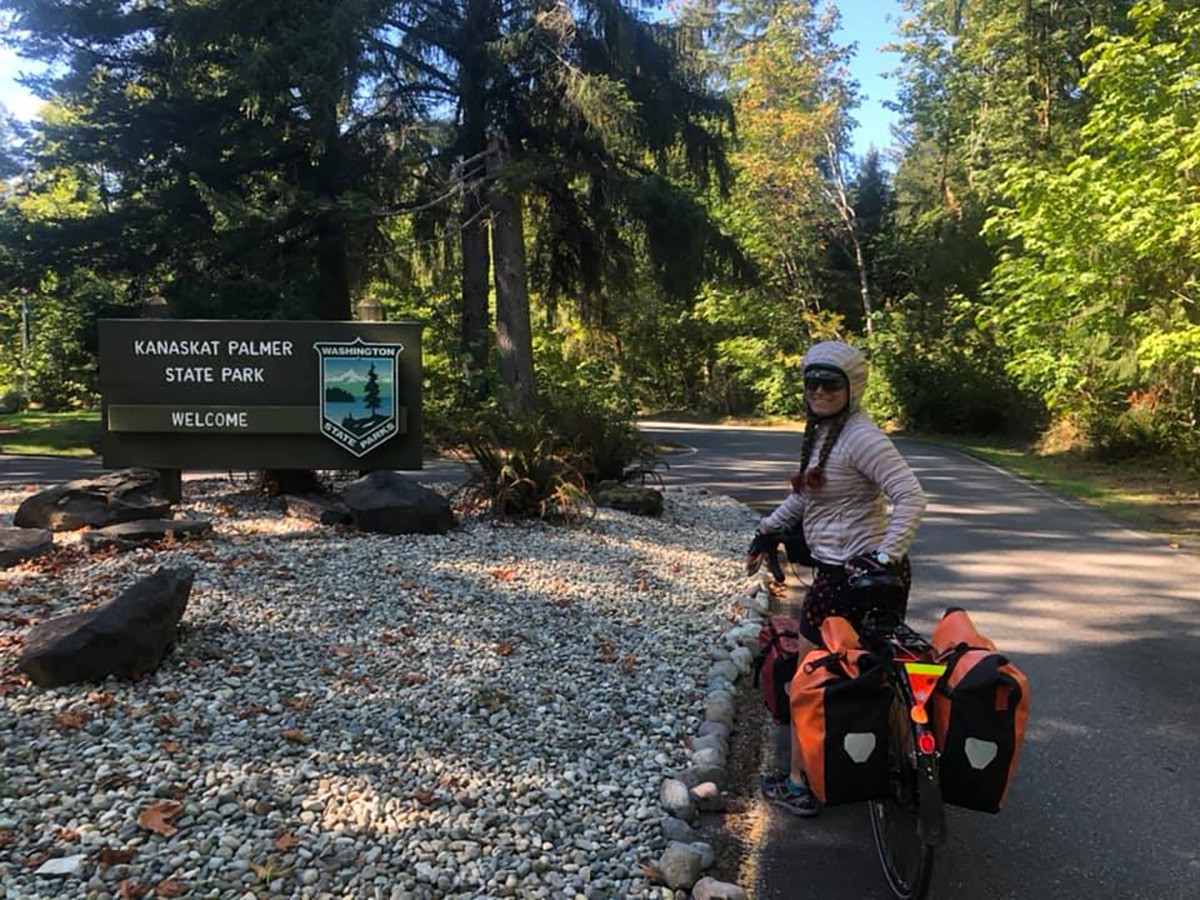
980, 708
840, 700
778, 653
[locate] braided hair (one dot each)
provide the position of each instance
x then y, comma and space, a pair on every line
806, 480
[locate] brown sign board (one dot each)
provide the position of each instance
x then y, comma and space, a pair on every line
240, 394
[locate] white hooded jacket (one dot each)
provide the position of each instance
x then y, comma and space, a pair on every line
848, 514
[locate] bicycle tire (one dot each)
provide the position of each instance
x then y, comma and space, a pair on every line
906, 858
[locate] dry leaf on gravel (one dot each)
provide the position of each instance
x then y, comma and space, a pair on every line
286, 841
156, 816
68, 834
170, 888
504, 574
7, 838
504, 648
132, 889
172, 695
424, 797
652, 872
32, 862
608, 650
167, 722
628, 663
69, 721
102, 699
411, 679
299, 703
172, 746
295, 735
408, 630
388, 638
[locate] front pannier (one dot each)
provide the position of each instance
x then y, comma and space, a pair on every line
980, 708
840, 701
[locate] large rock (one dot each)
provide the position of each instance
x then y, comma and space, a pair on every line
124, 496
127, 535
17, 544
711, 889
641, 501
127, 637
392, 504
680, 865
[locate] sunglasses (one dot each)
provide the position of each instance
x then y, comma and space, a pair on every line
829, 383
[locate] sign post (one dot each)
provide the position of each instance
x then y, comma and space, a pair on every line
260, 395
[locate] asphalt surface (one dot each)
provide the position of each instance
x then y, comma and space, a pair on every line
1106, 624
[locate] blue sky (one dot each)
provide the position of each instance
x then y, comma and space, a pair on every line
870, 23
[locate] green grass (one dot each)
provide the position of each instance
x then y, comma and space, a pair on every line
1154, 496
48, 434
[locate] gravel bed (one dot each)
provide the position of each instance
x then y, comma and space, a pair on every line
488, 713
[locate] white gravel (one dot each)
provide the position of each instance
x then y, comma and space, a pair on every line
488, 713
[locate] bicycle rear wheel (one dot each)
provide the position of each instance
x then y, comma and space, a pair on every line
907, 859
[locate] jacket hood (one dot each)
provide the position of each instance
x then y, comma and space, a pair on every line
842, 358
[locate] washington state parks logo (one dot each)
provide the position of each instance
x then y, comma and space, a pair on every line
358, 393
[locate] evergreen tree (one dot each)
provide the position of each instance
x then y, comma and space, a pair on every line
371, 399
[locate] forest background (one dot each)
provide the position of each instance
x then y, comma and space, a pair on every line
600, 209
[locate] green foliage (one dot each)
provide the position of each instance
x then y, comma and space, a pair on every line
526, 469
937, 372
1095, 292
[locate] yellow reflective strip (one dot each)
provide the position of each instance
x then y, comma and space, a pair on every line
917, 668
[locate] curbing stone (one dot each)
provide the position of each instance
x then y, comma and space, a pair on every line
680, 865
675, 798
709, 888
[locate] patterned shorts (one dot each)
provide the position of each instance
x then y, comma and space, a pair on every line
831, 595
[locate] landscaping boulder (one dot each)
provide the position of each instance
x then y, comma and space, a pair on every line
127, 637
389, 503
640, 501
128, 535
680, 865
317, 509
124, 496
17, 544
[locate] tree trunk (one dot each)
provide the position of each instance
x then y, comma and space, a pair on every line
473, 215
514, 339
332, 264
840, 200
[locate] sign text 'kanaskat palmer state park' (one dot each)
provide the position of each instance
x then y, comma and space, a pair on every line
180, 394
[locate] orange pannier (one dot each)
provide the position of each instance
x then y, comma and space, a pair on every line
980, 709
839, 701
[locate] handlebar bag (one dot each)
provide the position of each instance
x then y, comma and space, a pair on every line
840, 701
980, 709
778, 654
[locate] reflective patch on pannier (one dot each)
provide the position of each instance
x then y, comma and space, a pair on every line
980, 754
859, 746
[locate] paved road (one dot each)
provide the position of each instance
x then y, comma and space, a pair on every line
1106, 624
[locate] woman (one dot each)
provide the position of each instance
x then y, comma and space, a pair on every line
849, 471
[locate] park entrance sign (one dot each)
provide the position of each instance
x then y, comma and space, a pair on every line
181, 394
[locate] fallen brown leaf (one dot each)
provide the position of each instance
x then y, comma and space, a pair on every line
32, 862
156, 816
7, 838
427, 595
412, 679
504, 648
608, 651
172, 695
115, 780
286, 842
504, 574
68, 834
299, 702
407, 630
628, 663
424, 797
388, 638
166, 722
170, 888
640, 585
249, 712
172, 746
409, 585
295, 735
131, 889
69, 721
652, 872
102, 699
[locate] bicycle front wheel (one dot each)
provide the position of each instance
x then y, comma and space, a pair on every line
906, 857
